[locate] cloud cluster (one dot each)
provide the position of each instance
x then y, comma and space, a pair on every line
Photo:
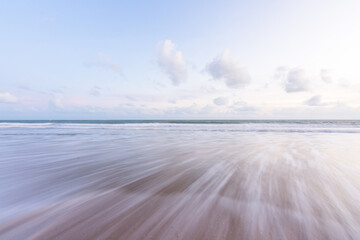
229, 70
6, 97
220, 101
172, 62
105, 62
296, 81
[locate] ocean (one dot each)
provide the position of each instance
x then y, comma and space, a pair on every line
180, 179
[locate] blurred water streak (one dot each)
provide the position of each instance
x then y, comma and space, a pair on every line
283, 180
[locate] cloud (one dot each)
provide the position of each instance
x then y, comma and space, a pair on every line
171, 62
337, 111
6, 97
173, 101
243, 107
296, 81
229, 70
315, 101
95, 91
326, 76
280, 72
220, 101
56, 102
24, 87
105, 62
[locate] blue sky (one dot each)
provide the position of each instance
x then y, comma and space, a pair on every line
179, 59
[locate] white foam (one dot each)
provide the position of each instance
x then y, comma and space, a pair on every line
248, 127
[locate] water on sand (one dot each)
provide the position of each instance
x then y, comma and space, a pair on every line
191, 180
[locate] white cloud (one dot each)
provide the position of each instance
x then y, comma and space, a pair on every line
105, 62
172, 62
221, 101
296, 81
6, 97
315, 101
325, 75
230, 70
280, 72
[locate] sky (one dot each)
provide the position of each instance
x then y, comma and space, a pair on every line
180, 59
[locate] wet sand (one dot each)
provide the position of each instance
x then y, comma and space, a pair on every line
181, 185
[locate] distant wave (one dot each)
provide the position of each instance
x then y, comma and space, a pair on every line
327, 122
223, 126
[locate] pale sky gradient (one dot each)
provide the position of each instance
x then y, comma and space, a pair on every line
180, 59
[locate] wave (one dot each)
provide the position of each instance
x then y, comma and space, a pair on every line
343, 122
279, 126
